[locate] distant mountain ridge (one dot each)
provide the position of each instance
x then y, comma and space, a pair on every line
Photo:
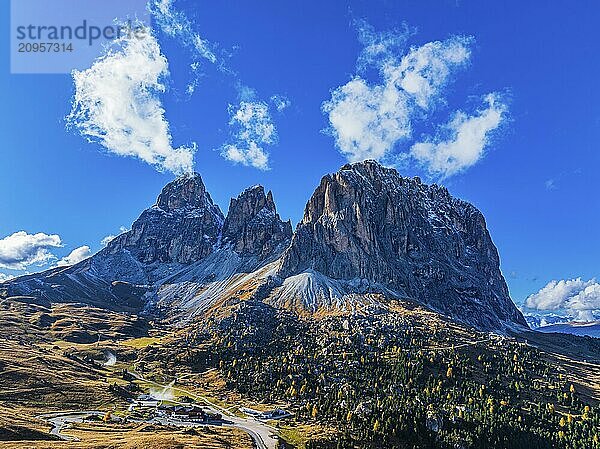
368, 235
588, 329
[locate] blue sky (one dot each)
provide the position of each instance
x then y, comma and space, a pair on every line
533, 177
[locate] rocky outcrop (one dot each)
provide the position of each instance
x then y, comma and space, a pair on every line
169, 241
253, 227
367, 235
183, 226
366, 222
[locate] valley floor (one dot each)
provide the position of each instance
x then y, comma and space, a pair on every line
48, 387
340, 380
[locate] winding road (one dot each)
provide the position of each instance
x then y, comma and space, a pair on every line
259, 432
264, 436
59, 421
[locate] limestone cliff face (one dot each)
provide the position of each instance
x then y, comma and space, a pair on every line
253, 227
367, 233
183, 226
367, 222
181, 230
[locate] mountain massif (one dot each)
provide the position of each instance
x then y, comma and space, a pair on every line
368, 236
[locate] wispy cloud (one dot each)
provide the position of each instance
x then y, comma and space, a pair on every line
117, 104
280, 102
175, 24
21, 250
5, 277
251, 125
75, 256
579, 298
468, 136
369, 120
380, 48
253, 130
556, 180
424, 71
106, 240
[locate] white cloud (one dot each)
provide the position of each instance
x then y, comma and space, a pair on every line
20, 250
579, 298
280, 102
425, 70
240, 149
468, 137
586, 304
380, 47
116, 103
555, 294
255, 122
251, 155
75, 256
176, 24
106, 240
245, 93
5, 277
367, 120
253, 130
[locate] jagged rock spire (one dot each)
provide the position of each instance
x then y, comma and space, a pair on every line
252, 226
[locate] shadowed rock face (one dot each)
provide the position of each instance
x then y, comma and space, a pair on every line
184, 194
253, 226
183, 226
368, 222
364, 225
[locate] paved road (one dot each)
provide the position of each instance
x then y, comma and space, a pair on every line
259, 432
263, 435
257, 437
61, 421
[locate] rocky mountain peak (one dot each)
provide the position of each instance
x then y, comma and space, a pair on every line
367, 233
338, 191
253, 226
185, 192
183, 226
252, 200
368, 223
